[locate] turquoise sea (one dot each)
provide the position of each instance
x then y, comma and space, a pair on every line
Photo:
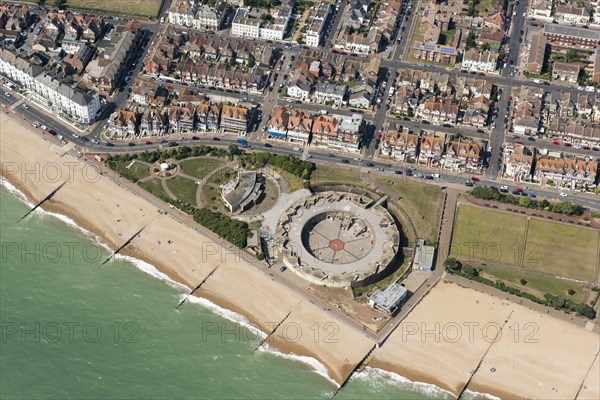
71, 330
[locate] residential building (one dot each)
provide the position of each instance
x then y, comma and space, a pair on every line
323, 128
570, 14
51, 88
299, 90
207, 116
463, 156
537, 54
246, 23
596, 71
485, 61
123, 122
518, 162
571, 172
400, 146
570, 36
431, 150
209, 17
182, 12
438, 110
329, 93
182, 118
299, 127
153, 122
278, 124
234, 120
565, 71
435, 52
348, 133
316, 22
109, 67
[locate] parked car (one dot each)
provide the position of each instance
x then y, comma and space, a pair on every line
469, 184
282, 269
344, 161
370, 164
95, 141
563, 194
268, 145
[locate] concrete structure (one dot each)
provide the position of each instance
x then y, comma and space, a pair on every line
338, 239
241, 193
424, 256
390, 299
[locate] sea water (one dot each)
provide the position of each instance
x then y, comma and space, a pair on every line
74, 330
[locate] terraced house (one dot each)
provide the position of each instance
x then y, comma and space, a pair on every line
570, 172
400, 146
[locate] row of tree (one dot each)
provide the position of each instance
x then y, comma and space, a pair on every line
491, 193
300, 168
454, 266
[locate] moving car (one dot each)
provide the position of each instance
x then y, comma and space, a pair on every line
282, 268
563, 194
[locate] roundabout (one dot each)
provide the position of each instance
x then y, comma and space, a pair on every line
338, 239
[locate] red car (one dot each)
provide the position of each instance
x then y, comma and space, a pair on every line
475, 179
509, 98
148, 142
556, 142
520, 190
170, 87
518, 142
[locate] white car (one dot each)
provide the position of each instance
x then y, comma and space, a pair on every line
503, 187
95, 141
357, 159
335, 107
563, 194
76, 136
25, 106
289, 100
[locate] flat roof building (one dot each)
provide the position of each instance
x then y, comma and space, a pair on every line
424, 255
390, 299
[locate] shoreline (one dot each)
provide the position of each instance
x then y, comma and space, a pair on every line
237, 287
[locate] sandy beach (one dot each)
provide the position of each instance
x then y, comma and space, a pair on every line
554, 367
448, 333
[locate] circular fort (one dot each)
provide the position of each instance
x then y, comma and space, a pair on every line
338, 239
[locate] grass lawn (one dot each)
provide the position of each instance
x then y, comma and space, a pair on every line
423, 203
330, 173
154, 186
536, 285
221, 176
184, 189
200, 167
135, 172
211, 193
562, 249
487, 235
143, 8
483, 6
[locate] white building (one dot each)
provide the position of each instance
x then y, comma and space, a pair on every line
59, 93
208, 17
316, 23
249, 22
299, 90
245, 24
486, 61
182, 12
329, 93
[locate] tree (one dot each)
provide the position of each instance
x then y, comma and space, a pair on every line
571, 292
486, 193
525, 201
484, 46
470, 271
452, 265
233, 150
523, 281
251, 61
471, 42
59, 3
